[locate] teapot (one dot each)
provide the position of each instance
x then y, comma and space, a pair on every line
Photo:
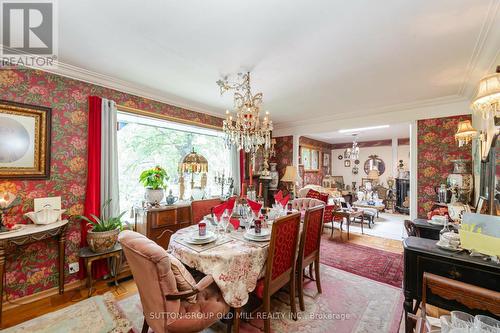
170, 198
46, 215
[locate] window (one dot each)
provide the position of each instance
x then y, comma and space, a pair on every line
145, 142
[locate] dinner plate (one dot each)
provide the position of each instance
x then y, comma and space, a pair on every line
257, 239
200, 241
196, 236
264, 232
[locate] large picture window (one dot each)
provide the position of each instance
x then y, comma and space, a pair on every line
145, 142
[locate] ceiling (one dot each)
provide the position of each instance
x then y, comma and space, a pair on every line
310, 61
400, 131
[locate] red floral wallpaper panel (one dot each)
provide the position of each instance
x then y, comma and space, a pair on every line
284, 153
33, 268
436, 149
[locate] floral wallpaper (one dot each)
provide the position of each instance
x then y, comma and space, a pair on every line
316, 177
33, 268
284, 153
436, 149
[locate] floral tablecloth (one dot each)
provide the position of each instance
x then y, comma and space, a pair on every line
235, 266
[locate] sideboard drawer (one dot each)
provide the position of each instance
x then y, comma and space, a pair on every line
163, 218
184, 214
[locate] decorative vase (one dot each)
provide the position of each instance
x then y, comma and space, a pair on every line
273, 185
102, 241
154, 196
171, 199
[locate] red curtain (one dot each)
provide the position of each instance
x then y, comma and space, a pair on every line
93, 194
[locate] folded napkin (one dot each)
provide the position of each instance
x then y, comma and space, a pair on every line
278, 196
285, 200
219, 210
254, 206
235, 223
230, 203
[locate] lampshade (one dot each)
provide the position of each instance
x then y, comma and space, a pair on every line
290, 174
465, 132
373, 174
487, 99
194, 162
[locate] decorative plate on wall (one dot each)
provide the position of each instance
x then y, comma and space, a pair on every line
347, 163
356, 162
374, 162
355, 170
340, 157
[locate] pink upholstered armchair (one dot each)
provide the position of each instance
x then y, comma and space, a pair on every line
166, 309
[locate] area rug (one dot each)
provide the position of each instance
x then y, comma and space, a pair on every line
349, 304
375, 264
97, 314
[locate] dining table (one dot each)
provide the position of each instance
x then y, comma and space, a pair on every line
235, 263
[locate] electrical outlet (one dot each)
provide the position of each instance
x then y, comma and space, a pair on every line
74, 267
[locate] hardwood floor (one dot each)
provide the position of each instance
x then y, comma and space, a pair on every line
29, 311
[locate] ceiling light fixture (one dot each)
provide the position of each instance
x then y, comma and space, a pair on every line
362, 129
246, 130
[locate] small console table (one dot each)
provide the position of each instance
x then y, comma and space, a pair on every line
30, 233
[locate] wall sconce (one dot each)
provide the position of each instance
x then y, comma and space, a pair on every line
487, 99
465, 133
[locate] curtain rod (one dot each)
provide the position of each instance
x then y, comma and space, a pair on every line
156, 115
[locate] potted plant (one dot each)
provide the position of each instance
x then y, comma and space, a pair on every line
154, 180
103, 234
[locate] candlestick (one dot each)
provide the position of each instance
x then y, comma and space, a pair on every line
244, 189
260, 190
250, 174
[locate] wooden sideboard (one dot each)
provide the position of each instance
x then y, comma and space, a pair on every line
422, 255
158, 224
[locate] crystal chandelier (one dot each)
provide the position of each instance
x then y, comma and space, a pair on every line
353, 153
245, 130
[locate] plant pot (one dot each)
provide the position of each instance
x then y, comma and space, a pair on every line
154, 196
102, 241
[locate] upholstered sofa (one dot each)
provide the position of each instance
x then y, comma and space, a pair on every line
332, 193
305, 203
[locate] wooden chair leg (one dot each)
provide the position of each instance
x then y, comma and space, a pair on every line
236, 320
267, 310
317, 276
300, 281
145, 326
311, 272
292, 297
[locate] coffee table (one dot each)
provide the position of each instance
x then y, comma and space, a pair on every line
364, 204
348, 215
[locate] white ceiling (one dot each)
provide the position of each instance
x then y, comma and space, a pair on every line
311, 59
393, 131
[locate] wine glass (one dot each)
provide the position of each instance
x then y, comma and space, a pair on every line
485, 324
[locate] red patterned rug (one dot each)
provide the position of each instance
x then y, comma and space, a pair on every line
375, 264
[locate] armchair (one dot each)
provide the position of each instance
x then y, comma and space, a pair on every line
166, 309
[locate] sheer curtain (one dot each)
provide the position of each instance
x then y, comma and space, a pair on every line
109, 159
235, 169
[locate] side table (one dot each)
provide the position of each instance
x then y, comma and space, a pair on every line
348, 215
89, 257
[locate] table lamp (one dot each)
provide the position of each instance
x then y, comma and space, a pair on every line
290, 177
193, 163
373, 175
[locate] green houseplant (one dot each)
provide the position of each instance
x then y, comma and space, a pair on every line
154, 180
103, 232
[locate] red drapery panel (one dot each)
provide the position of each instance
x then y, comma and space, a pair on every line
93, 194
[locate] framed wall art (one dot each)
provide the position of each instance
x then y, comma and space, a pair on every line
310, 158
347, 163
24, 141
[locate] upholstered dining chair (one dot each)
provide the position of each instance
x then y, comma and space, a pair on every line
165, 307
281, 264
329, 209
200, 208
309, 247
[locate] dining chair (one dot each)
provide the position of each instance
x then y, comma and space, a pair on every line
165, 308
468, 295
200, 208
309, 248
411, 229
281, 264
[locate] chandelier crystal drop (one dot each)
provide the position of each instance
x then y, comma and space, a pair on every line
245, 129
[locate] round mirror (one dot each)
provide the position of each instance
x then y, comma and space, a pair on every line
374, 162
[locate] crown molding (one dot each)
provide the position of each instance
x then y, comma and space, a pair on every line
106, 81
485, 53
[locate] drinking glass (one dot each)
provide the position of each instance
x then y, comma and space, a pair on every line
461, 322
445, 323
485, 324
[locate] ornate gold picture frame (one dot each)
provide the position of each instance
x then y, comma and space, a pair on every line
24, 141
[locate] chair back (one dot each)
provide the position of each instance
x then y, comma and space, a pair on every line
200, 208
411, 229
311, 233
153, 276
306, 203
282, 252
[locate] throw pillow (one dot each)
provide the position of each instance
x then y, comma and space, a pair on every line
183, 278
313, 194
324, 197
